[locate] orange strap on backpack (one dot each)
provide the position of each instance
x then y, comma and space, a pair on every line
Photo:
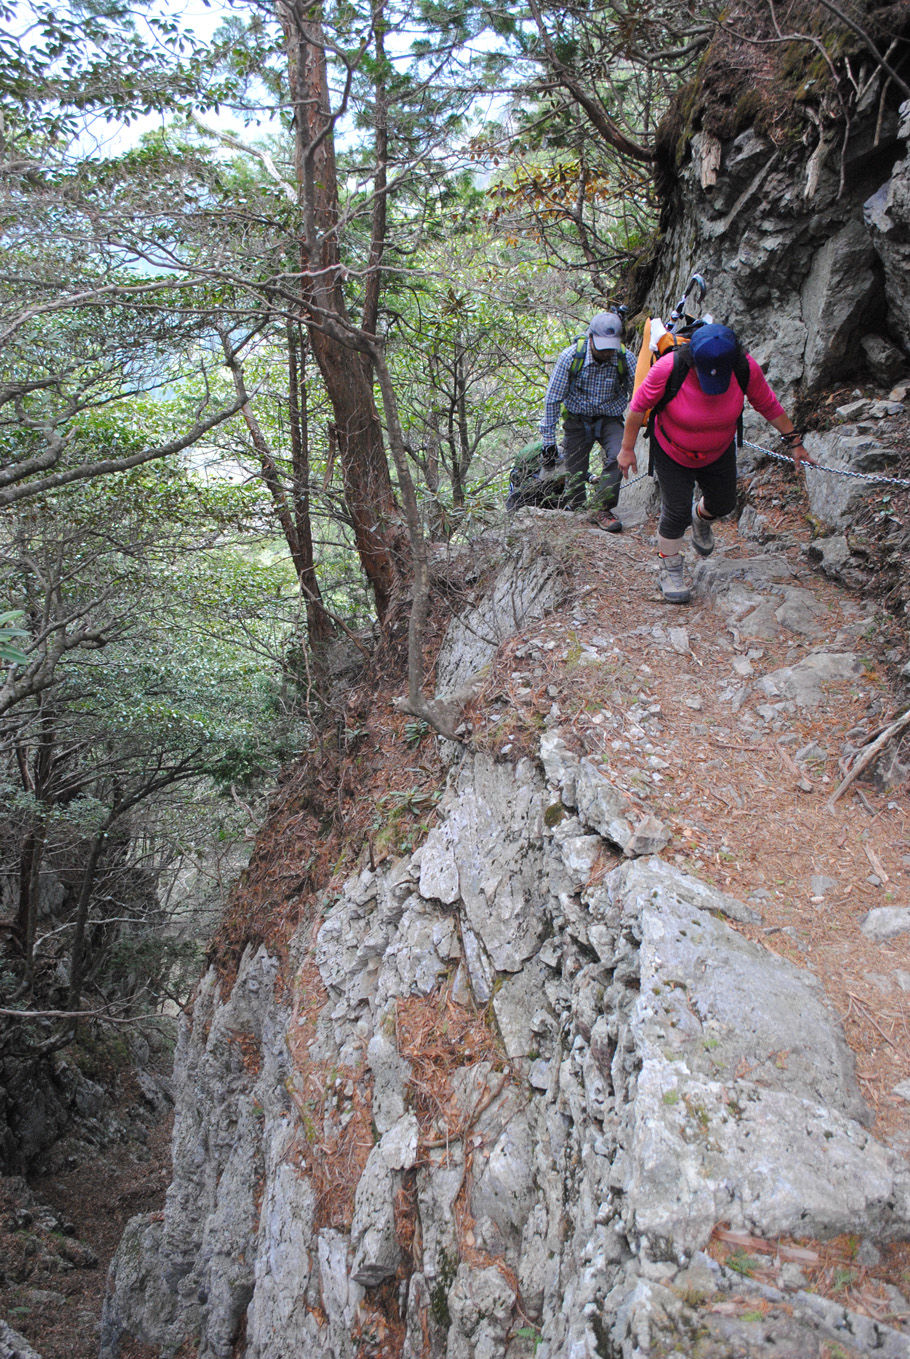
666, 342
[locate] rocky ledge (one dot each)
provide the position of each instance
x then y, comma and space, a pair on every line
649, 1075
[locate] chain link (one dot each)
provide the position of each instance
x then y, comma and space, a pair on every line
876, 477
834, 471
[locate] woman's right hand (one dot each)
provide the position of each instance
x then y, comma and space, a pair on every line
800, 454
626, 461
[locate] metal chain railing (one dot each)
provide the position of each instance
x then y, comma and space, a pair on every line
632, 480
834, 471
877, 477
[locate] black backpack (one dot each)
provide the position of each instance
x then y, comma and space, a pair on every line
682, 366
528, 487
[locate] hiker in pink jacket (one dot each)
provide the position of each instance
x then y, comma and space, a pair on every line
693, 440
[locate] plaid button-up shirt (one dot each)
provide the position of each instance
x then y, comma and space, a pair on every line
597, 389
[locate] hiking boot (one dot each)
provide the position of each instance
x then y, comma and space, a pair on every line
672, 584
702, 534
606, 520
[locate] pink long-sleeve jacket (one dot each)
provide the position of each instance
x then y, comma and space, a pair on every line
695, 429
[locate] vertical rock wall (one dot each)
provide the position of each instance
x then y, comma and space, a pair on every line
805, 253
512, 1093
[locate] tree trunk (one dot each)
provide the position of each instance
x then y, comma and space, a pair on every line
319, 627
461, 452
30, 859
435, 512
31, 854
379, 532
380, 178
293, 515
86, 887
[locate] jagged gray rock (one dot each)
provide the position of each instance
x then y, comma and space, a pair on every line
701, 1128
835, 499
886, 922
15, 1346
793, 262
373, 1240
804, 683
654, 1084
886, 362
842, 293
887, 216
480, 1306
832, 554
582, 785
527, 585
390, 1074
196, 1269
473, 858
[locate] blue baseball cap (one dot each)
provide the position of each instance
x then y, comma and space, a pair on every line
713, 350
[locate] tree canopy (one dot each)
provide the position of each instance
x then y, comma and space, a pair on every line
276, 301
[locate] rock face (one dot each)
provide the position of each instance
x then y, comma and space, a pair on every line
50, 1111
614, 1071
886, 216
529, 580
806, 257
13, 1345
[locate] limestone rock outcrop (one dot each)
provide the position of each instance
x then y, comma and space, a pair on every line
806, 257
554, 1186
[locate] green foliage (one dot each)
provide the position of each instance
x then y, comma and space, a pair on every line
182, 679
531, 1333
9, 629
176, 693
415, 731
466, 356
161, 961
62, 61
401, 819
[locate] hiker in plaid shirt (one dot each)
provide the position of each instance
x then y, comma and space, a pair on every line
592, 388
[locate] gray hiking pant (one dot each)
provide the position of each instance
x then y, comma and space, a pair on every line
580, 434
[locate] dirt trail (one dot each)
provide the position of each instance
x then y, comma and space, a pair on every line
671, 699
55, 1259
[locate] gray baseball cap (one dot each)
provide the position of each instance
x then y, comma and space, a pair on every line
605, 331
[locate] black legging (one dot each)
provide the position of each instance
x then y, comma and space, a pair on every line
717, 481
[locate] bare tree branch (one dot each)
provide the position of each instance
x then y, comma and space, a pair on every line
28, 490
